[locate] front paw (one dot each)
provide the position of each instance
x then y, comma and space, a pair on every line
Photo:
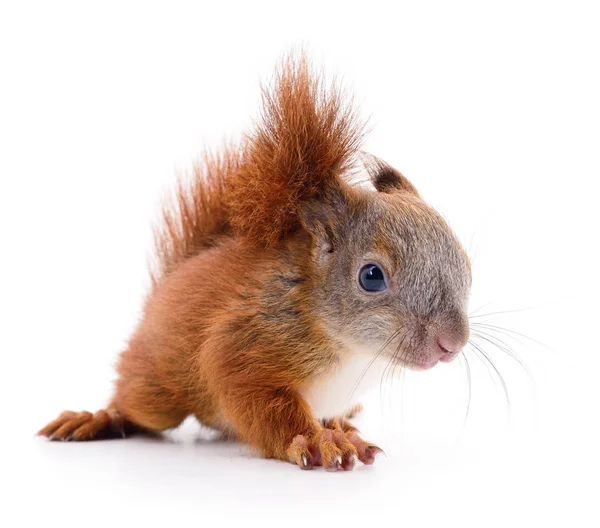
333, 449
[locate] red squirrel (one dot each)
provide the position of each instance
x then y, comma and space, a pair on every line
280, 284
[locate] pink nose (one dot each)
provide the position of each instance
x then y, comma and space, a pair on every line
444, 341
450, 344
449, 347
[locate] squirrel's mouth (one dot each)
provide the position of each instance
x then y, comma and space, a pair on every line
423, 363
423, 350
429, 359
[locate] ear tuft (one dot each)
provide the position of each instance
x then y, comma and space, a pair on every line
386, 178
306, 138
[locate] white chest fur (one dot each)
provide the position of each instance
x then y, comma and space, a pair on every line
336, 392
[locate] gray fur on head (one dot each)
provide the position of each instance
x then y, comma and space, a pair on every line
427, 270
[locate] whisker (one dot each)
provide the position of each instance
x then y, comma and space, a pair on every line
480, 359
395, 358
491, 363
507, 331
388, 375
370, 364
386, 371
468, 371
473, 252
504, 347
500, 312
478, 309
382, 380
398, 363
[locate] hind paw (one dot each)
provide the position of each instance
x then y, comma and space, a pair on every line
85, 426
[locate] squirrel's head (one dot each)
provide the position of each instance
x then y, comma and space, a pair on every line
387, 273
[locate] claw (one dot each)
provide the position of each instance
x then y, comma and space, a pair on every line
370, 453
374, 450
337, 464
349, 463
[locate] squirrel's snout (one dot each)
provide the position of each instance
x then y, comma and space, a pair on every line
450, 343
442, 344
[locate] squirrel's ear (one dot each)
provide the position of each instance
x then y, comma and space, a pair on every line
385, 178
322, 216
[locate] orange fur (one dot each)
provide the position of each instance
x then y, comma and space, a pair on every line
308, 135
197, 215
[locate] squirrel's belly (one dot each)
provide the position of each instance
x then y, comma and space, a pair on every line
336, 392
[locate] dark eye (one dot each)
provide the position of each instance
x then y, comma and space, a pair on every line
372, 278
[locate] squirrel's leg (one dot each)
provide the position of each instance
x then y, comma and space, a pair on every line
141, 403
142, 416
279, 423
269, 419
112, 422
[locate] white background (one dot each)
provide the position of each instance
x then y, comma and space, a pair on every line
492, 109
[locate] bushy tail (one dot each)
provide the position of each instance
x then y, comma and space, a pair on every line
196, 216
84, 425
307, 135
